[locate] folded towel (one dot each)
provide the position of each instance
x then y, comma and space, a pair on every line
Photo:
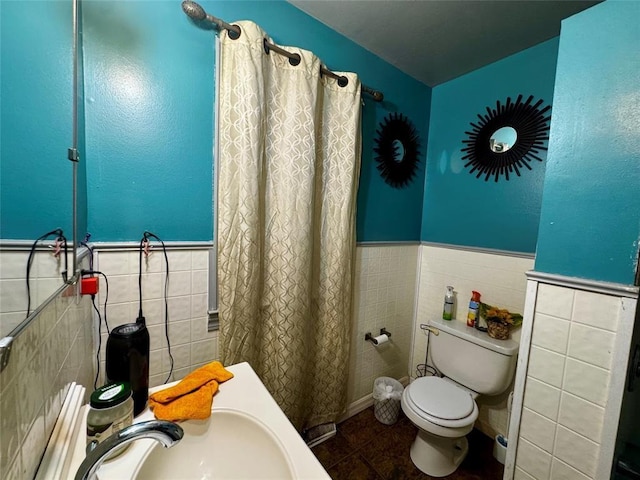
192, 397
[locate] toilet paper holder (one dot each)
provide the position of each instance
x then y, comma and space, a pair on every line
374, 340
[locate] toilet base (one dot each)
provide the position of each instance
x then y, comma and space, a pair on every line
438, 456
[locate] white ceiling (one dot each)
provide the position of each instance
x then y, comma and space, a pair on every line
437, 40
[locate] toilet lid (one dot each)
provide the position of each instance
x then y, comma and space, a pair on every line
441, 399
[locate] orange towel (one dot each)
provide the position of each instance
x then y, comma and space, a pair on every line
192, 397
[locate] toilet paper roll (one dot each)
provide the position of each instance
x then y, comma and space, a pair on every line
380, 339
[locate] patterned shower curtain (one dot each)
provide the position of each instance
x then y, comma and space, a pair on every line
289, 159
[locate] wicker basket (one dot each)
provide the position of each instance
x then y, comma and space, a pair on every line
498, 330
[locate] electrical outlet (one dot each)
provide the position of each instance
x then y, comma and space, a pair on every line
89, 286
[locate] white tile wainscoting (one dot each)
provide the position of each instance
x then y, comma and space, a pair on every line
501, 279
570, 379
51, 353
397, 286
191, 344
45, 279
384, 296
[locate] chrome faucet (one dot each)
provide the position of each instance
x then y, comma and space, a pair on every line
167, 433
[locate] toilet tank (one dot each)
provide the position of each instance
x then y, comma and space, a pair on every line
472, 358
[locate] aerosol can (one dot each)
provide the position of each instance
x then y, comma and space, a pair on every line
474, 307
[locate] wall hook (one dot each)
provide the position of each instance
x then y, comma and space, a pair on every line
147, 248
56, 248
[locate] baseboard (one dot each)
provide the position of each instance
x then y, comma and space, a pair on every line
356, 407
363, 403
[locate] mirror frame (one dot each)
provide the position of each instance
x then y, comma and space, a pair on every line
531, 123
73, 156
397, 128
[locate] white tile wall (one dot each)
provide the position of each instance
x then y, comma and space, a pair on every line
586, 381
546, 366
45, 278
551, 333
538, 429
567, 382
521, 475
581, 416
591, 345
562, 471
384, 296
555, 301
191, 344
54, 351
533, 460
576, 450
601, 311
499, 278
542, 398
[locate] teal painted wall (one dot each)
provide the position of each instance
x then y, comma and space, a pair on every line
458, 208
36, 112
148, 114
149, 117
590, 220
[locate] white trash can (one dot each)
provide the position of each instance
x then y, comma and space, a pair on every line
387, 392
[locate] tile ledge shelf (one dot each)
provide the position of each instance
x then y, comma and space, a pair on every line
607, 288
205, 244
489, 251
387, 243
171, 245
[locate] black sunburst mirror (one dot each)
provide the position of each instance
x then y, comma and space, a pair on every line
397, 150
507, 138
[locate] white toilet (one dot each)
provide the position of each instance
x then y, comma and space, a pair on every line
444, 409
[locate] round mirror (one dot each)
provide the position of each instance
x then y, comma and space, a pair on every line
503, 139
515, 134
398, 151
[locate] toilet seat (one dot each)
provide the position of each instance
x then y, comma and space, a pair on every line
436, 388
441, 399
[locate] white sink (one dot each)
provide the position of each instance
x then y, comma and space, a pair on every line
229, 445
247, 437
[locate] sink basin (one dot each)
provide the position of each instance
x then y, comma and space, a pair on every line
229, 445
246, 437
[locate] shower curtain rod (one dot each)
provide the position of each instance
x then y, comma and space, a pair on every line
196, 12
294, 59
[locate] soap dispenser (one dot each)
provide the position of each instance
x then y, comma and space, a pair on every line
447, 311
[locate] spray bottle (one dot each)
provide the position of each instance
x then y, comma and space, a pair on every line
447, 311
474, 306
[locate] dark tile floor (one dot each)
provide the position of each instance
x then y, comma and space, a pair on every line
365, 449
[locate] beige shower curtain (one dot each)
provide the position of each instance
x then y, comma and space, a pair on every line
289, 157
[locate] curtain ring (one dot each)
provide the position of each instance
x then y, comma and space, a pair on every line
294, 61
342, 80
234, 35
294, 58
